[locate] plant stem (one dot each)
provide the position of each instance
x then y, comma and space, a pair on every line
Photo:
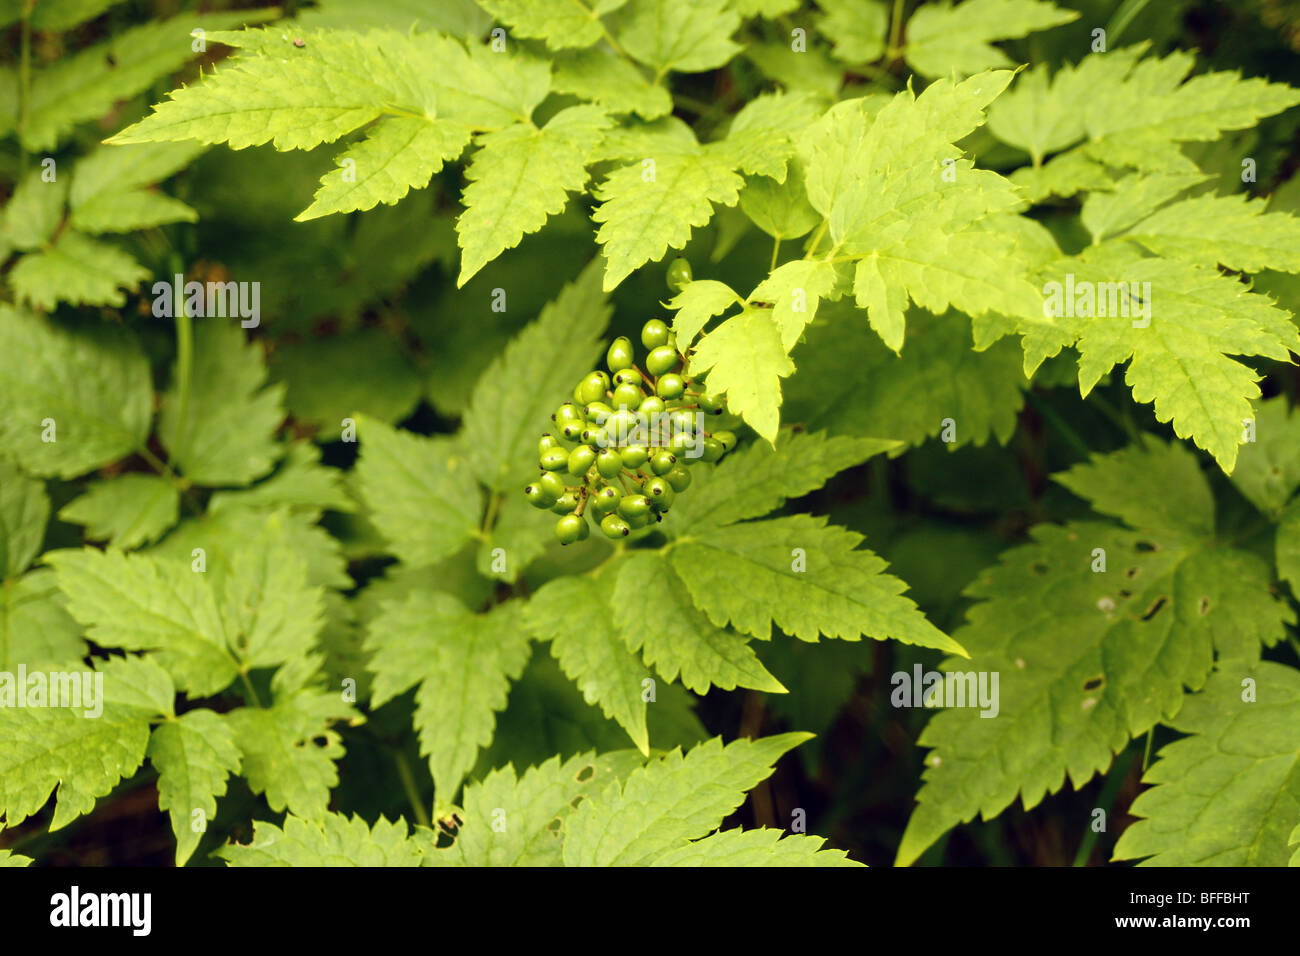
1105, 799
817, 238
412, 792
184, 359
24, 81
776, 251
248, 687
892, 49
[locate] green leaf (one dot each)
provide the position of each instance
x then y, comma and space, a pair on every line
227, 433
653, 204
1089, 659
758, 478
1288, 546
764, 133
671, 36
78, 270
670, 801
561, 25
300, 481
84, 86
515, 396
463, 662
24, 511
194, 754
795, 290
83, 756
611, 81
420, 492
574, 614
93, 382
126, 511
761, 847
655, 616
34, 211
290, 749
1232, 231
857, 28
520, 177
1177, 342
397, 155
140, 603
697, 303
511, 821
808, 578
942, 38
331, 840
108, 187
35, 627
780, 209
744, 359
1227, 794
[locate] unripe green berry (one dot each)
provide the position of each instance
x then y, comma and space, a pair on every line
654, 333
620, 426
634, 456
565, 503
713, 404
679, 274
572, 430
609, 463
660, 360
640, 521
569, 412
652, 405
548, 441
537, 497
580, 459
627, 395
569, 529
662, 461
551, 483
713, 449
679, 478
615, 527
634, 506
591, 389
628, 376
596, 436
619, 355
557, 459
670, 386
585, 533
660, 493
727, 439
606, 500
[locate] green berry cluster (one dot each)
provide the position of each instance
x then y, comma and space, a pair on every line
625, 442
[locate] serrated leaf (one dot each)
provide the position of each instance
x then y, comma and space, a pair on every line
765, 846
108, 193
75, 269
126, 511
140, 603
780, 209
697, 303
332, 840
516, 394
670, 801
942, 38
92, 381
24, 511
756, 479
687, 38
1228, 794
300, 481
290, 750
826, 587
463, 662
575, 615
1087, 660
34, 211
84, 757
1232, 231
856, 28
35, 627
611, 81
533, 808
795, 289
572, 24
763, 135
226, 436
744, 360
194, 754
398, 154
520, 177
652, 205
681, 640
421, 494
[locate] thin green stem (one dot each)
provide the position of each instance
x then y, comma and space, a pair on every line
776, 252
490, 517
184, 360
249, 689
412, 792
1146, 751
25, 81
892, 49
817, 239
1105, 800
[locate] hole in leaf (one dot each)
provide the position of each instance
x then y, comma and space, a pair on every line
1203, 606
1145, 546
1124, 593
586, 773
320, 740
573, 804
1092, 683
1154, 609
1131, 573
554, 826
